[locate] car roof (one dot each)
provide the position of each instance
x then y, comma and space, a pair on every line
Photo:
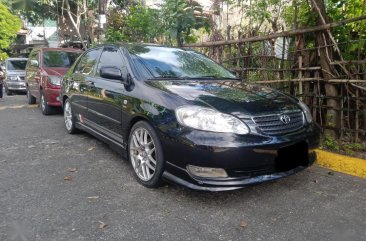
131, 45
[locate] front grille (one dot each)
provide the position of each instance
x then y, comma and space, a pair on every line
18, 78
272, 124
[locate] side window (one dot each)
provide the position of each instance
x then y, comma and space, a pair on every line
88, 62
110, 58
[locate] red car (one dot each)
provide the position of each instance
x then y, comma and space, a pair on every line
44, 71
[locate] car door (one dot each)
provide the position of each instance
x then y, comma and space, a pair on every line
105, 96
80, 80
33, 75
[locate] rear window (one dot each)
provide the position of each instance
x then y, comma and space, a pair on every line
59, 59
16, 64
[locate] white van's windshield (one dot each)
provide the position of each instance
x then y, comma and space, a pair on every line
16, 64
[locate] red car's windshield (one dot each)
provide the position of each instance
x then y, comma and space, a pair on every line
59, 59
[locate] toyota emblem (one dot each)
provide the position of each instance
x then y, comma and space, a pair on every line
285, 119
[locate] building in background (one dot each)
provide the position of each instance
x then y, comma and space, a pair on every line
30, 36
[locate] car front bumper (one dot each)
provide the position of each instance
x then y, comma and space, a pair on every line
246, 159
16, 86
52, 97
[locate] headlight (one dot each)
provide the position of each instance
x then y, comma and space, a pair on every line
55, 80
13, 78
306, 111
207, 119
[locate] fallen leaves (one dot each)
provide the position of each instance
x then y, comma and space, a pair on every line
102, 225
243, 224
67, 178
49, 142
93, 197
91, 148
331, 173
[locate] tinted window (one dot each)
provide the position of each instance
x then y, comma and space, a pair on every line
16, 64
110, 58
177, 63
59, 59
88, 62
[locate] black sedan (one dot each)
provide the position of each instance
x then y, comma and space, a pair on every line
179, 116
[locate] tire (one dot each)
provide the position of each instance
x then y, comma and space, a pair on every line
69, 118
31, 100
144, 148
8, 92
45, 108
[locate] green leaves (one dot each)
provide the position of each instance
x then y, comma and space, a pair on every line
350, 37
9, 25
181, 17
176, 20
140, 24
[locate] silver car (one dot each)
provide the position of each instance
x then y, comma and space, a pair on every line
14, 75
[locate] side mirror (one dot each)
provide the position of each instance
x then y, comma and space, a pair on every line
34, 63
111, 73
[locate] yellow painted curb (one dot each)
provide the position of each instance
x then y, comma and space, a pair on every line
340, 163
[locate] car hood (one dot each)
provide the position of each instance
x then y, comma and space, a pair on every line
55, 71
230, 96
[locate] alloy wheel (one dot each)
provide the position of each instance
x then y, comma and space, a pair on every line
142, 154
43, 103
68, 116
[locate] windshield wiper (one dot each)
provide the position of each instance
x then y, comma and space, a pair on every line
168, 77
211, 77
204, 77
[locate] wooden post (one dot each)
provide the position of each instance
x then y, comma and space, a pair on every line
357, 122
342, 115
300, 77
282, 65
319, 100
315, 103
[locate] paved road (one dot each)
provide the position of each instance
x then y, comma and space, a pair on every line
36, 203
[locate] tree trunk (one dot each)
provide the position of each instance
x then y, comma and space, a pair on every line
325, 56
179, 39
75, 22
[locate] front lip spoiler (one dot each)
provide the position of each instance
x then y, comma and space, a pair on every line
233, 185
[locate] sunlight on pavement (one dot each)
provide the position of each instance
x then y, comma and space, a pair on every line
17, 107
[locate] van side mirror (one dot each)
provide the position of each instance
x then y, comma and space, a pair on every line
34, 63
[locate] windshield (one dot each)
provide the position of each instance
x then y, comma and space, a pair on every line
164, 62
59, 59
16, 64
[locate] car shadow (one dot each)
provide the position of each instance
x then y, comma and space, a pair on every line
171, 191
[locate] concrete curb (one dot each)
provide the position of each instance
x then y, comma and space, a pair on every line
340, 163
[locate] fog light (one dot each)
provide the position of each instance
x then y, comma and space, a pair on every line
58, 98
206, 171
